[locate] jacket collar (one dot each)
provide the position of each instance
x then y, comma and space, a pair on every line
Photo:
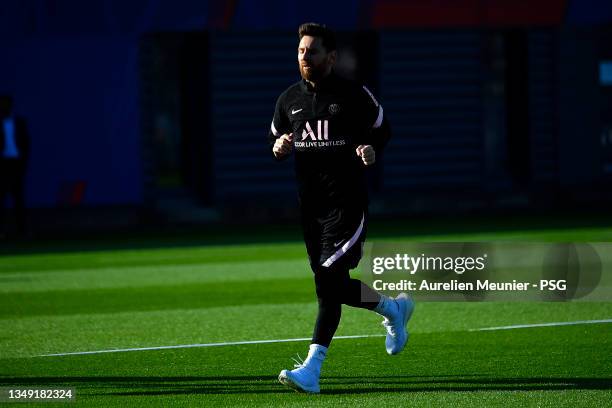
323, 85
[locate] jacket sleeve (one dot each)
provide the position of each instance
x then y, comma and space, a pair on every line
280, 123
379, 130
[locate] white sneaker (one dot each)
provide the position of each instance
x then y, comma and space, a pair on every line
302, 379
397, 332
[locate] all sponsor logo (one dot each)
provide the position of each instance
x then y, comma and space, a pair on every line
321, 135
317, 136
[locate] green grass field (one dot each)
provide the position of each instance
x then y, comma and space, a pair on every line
62, 297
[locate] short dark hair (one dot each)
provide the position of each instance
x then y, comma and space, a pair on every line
327, 36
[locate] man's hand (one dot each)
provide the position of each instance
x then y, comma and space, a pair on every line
283, 145
367, 154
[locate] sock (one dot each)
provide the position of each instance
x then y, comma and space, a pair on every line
387, 307
316, 355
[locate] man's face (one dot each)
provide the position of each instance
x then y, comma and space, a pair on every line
313, 59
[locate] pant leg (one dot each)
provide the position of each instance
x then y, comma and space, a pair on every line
334, 243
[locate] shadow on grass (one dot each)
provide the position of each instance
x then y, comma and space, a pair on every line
271, 233
143, 386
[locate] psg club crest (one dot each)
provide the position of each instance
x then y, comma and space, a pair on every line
334, 108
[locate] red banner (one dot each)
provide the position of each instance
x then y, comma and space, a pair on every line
470, 13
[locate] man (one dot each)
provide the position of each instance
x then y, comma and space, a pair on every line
336, 129
14, 153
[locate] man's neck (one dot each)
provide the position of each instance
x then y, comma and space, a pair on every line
316, 84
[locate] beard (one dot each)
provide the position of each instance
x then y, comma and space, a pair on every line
314, 72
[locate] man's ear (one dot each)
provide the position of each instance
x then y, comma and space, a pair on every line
331, 57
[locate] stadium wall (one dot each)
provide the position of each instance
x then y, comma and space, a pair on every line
74, 74
79, 97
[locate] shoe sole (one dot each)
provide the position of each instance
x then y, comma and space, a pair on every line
283, 379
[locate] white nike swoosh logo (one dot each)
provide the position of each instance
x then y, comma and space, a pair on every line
336, 244
293, 112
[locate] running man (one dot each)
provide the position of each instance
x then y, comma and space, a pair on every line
336, 129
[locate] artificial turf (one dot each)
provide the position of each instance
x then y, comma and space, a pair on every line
54, 299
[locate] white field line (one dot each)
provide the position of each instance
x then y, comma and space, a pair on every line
237, 343
232, 343
525, 326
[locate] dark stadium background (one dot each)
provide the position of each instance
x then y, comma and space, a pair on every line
155, 112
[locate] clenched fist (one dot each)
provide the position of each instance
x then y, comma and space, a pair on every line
283, 145
367, 154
